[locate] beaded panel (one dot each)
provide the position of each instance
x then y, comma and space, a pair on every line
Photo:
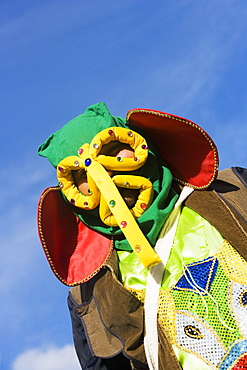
139, 294
211, 310
196, 336
234, 265
235, 357
238, 303
205, 312
166, 314
198, 276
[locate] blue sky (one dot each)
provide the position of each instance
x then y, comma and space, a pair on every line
185, 57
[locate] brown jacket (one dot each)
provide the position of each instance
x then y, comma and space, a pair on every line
112, 316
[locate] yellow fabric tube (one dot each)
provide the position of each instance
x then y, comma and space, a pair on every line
122, 214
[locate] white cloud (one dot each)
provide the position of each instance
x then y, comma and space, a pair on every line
52, 358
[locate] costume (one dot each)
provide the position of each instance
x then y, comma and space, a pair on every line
114, 258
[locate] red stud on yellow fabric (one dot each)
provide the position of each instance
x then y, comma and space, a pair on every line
80, 151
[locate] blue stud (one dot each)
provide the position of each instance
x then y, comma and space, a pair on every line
87, 162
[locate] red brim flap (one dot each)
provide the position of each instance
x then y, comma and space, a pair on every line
186, 148
74, 252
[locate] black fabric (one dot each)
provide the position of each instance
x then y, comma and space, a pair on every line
241, 173
86, 358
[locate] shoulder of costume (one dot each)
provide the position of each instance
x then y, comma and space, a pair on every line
224, 205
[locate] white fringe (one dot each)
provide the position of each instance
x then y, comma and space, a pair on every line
155, 275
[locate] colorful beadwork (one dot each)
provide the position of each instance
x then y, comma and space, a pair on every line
237, 356
198, 276
193, 332
243, 299
205, 313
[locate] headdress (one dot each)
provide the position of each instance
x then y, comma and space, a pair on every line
182, 150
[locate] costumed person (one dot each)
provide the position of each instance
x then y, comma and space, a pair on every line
151, 239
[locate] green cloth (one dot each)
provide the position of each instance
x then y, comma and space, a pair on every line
82, 129
195, 240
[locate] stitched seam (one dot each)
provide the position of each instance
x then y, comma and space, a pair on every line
231, 213
230, 204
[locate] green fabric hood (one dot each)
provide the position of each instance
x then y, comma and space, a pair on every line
82, 129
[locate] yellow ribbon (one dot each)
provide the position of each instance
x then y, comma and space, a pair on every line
103, 189
123, 216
